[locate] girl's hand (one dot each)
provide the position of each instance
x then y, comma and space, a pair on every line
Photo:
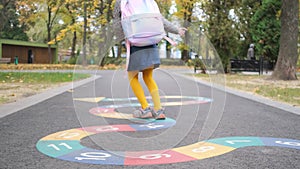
181, 31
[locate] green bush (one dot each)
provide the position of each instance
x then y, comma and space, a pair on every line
72, 60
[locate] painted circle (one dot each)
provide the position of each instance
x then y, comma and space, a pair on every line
109, 110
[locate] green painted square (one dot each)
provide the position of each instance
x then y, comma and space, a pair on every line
55, 148
237, 142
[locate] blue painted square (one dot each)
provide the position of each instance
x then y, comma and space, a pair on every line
281, 142
55, 148
237, 142
166, 121
93, 156
152, 124
147, 126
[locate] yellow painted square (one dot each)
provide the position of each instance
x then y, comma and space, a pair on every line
72, 134
91, 100
202, 150
116, 115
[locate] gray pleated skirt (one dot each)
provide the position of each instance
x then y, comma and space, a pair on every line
143, 57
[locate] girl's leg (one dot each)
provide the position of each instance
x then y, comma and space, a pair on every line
137, 88
152, 87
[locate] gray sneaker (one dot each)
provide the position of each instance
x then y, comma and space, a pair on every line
143, 113
159, 114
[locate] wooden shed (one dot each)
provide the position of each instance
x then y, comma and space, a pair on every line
27, 52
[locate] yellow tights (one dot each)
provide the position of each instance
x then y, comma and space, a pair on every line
138, 89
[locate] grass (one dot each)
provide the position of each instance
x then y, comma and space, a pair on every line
56, 67
3, 100
33, 77
17, 85
283, 91
288, 95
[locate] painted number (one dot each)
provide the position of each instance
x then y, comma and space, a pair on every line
154, 156
93, 156
237, 141
67, 135
61, 144
203, 149
288, 143
152, 126
107, 128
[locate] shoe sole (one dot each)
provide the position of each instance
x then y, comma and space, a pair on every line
147, 116
161, 117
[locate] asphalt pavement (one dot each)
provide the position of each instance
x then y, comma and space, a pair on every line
208, 126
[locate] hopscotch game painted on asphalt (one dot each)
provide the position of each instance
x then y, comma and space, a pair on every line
66, 145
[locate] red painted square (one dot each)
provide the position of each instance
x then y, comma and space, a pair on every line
108, 128
155, 157
99, 110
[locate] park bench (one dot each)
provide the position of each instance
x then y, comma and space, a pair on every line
5, 60
259, 66
244, 65
237, 65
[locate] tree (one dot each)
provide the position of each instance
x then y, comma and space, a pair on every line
89, 19
286, 65
69, 15
10, 27
164, 6
73, 26
84, 31
265, 29
185, 11
48, 11
106, 41
244, 11
221, 28
53, 8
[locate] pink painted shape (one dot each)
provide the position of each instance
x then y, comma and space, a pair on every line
155, 157
99, 110
108, 128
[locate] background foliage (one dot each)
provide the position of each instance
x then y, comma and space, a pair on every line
230, 25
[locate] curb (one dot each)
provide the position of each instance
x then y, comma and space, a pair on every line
11, 108
259, 99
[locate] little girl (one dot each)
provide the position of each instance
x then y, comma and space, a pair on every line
145, 59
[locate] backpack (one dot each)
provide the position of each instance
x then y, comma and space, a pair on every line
142, 23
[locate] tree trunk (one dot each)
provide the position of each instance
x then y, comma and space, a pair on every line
119, 50
113, 52
184, 52
168, 49
49, 35
74, 44
286, 65
84, 62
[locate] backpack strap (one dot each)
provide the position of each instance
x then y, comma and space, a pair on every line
124, 10
170, 41
127, 53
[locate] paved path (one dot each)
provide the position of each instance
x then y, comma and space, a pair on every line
238, 132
